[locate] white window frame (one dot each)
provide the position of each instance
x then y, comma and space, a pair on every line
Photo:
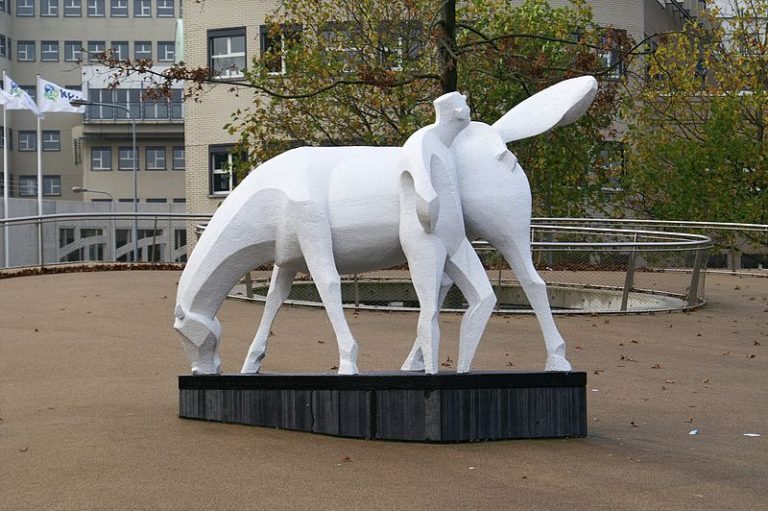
142, 8
49, 51
229, 171
165, 8
27, 186
51, 186
142, 44
155, 158
27, 141
25, 51
118, 8
98, 154
25, 8
76, 47
96, 8
118, 47
228, 73
51, 140
98, 47
125, 159
163, 53
183, 159
73, 8
49, 8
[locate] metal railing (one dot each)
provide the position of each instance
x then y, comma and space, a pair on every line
88, 237
638, 265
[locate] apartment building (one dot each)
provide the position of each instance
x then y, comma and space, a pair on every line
233, 31
56, 39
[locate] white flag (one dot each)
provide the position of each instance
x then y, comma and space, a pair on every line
56, 99
24, 102
8, 101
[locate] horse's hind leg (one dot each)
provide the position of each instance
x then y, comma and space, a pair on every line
517, 252
465, 268
415, 359
279, 287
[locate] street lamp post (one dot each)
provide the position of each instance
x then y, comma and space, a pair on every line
135, 234
80, 189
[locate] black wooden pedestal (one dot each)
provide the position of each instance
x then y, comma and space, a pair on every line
446, 407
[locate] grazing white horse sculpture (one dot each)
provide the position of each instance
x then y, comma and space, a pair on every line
337, 210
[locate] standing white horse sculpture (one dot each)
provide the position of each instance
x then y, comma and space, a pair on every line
336, 210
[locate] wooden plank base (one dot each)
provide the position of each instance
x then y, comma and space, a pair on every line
446, 407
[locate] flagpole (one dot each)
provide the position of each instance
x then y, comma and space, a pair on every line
6, 185
39, 158
39, 180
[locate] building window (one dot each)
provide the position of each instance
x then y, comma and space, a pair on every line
27, 186
101, 158
73, 8
51, 185
3, 47
166, 51
72, 51
49, 51
177, 104
125, 158
179, 200
226, 52
142, 50
222, 174
165, 8
272, 45
49, 7
95, 8
610, 56
27, 140
157, 201
179, 162
155, 158
118, 8
120, 50
2, 6
95, 50
25, 8
142, 8
51, 140
130, 99
156, 108
25, 51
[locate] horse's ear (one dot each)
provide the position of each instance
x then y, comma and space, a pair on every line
558, 105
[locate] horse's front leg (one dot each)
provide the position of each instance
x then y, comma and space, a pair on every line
279, 288
316, 246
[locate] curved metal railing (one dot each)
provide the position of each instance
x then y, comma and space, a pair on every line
607, 254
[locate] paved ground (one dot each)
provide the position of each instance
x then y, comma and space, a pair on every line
88, 403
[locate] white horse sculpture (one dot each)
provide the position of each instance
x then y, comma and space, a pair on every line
336, 210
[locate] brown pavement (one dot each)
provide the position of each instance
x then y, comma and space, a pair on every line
88, 409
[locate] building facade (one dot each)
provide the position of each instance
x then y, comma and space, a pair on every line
57, 39
233, 31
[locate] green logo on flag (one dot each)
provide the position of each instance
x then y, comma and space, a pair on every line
51, 93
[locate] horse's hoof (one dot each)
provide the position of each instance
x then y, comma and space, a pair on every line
203, 369
250, 368
557, 363
412, 365
347, 368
